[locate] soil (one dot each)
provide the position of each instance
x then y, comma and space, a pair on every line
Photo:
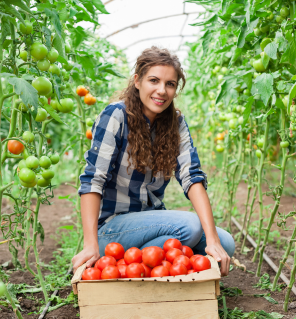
61, 213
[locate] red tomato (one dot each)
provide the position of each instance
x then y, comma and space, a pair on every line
187, 251
122, 270
115, 250
201, 264
110, 272
91, 274
147, 270
192, 258
135, 270
104, 262
166, 264
133, 255
183, 260
191, 271
152, 256
121, 262
172, 254
178, 269
15, 147
172, 243
160, 271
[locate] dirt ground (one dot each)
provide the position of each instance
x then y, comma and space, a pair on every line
61, 213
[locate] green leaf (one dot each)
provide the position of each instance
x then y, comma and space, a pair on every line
68, 227
247, 110
225, 48
62, 60
53, 113
212, 19
271, 50
9, 17
248, 79
245, 30
293, 78
289, 55
225, 88
264, 85
40, 231
114, 72
18, 3
5, 29
292, 94
88, 63
14, 12
265, 60
99, 5
206, 40
271, 300
25, 90
279, 103
235, 56
73, 12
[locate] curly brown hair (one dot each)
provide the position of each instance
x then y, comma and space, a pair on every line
161, 156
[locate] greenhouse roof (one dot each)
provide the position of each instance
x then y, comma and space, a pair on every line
135, 25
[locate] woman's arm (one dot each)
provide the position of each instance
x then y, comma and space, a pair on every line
200, 201
90, 207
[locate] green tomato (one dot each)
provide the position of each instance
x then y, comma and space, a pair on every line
69, 66
26, 28
55, 158
22, 107
43, 100
38, 51
42, 182
41, 115
279, 19
217, 68
271, 16
265, 28
258, 66
260, 142
54, 69
89, 122
28, 137
252, 61
284, 12
284, 144
99, 82
255, 74
52, 55
246, 92
22, 164
257, 32
67, 48
233, 123
220, 77
24, 55
241, 120
32, 162
26, 154
224, 70
55, 104
65, 75
48, 174
66, 105
29, 185
219, 148
43, 65
27, 175
264, 43
44, 162
42, 85
258, 153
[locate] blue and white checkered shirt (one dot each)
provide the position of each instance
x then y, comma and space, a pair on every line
107, 160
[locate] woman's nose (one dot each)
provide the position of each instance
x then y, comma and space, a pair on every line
161, 89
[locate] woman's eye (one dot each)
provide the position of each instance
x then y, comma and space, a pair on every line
153, 80
171, 84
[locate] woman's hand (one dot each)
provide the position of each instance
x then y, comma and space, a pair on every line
217, 251
88, 255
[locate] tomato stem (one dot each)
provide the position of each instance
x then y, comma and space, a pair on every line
292, 280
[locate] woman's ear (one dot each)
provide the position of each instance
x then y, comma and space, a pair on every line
136, 77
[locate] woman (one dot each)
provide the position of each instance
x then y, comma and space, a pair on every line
137, 145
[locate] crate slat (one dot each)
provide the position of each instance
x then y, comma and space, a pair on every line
108, 293
205, 309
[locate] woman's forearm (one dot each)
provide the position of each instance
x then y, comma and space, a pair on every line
200, 201
90, 208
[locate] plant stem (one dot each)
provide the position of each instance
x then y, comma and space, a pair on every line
246, 213
260, 193
35, 232
282, 262
292, 280
15, 310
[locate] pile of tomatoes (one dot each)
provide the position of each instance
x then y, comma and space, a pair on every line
173, 260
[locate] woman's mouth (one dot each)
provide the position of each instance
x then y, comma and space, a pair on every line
158, 101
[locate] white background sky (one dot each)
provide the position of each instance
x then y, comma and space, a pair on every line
124, 13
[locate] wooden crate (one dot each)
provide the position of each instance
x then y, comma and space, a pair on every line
190, 296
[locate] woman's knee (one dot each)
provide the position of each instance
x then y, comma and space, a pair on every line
191, 229
227, 241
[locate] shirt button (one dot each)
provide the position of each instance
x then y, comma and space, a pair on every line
103, 233
113, 165
96, 148
143, 202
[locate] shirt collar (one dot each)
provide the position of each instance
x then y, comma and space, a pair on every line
148, 121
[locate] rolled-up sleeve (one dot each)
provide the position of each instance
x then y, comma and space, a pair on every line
188, 169
101, 158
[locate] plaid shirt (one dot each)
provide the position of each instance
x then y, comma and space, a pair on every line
107, 160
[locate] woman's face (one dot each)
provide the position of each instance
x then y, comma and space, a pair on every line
157, 89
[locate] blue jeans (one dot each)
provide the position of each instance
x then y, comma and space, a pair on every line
154, 227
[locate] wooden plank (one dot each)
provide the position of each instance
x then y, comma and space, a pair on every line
108, 293
78, 274
205, 309
217, 288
